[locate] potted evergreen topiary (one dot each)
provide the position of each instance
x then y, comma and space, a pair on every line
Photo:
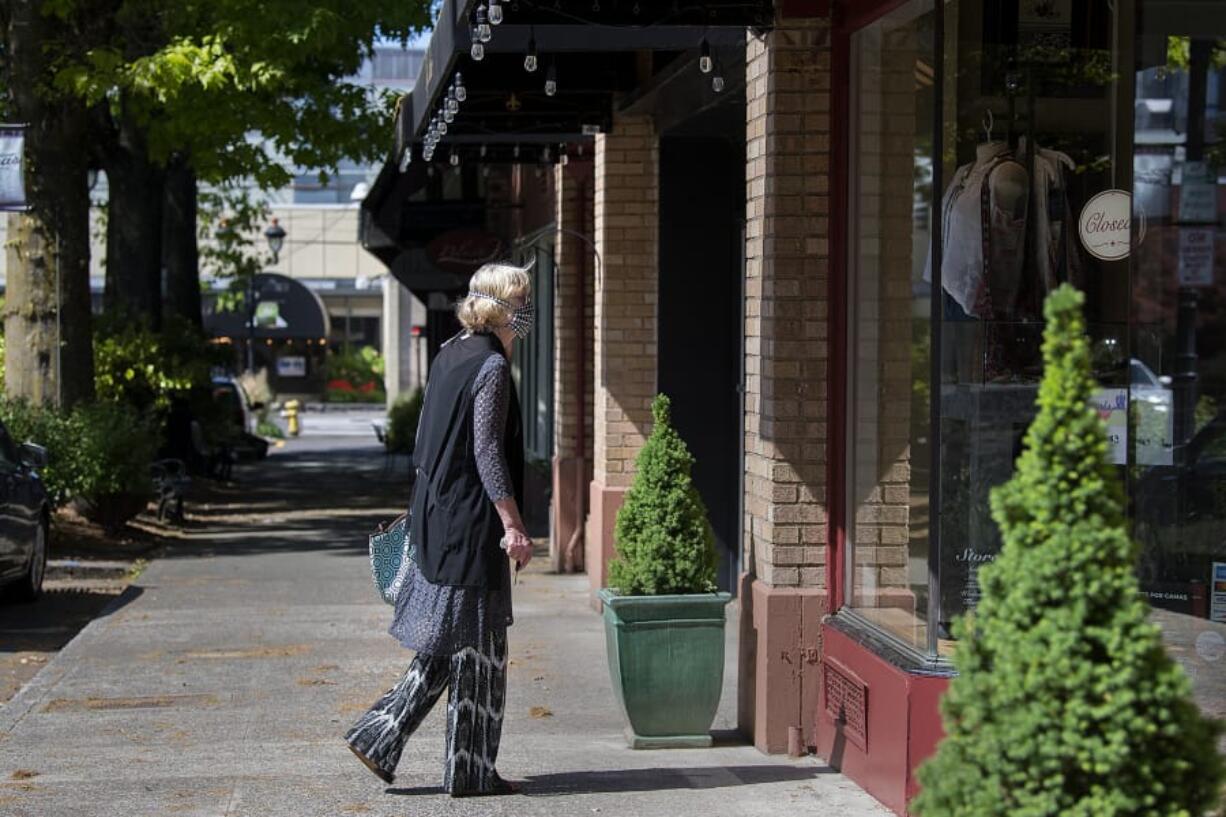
1066, 702
664, 622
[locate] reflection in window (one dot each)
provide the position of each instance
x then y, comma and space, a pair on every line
888, 443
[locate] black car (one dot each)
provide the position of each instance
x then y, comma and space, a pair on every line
24, 518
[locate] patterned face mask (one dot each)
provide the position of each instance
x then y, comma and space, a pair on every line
522, 318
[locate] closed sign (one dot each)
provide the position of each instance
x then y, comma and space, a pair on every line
1105, 225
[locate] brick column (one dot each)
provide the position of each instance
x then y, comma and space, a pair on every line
783, 593
626, 224
572, 390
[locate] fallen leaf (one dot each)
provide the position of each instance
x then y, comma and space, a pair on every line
540, 712
23, 774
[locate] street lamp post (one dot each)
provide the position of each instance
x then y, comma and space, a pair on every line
275, 235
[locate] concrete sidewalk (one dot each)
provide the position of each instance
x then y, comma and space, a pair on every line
223, 681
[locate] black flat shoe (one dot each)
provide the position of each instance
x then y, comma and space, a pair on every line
498, 788
386, 777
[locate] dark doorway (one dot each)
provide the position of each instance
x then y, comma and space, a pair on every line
702, 206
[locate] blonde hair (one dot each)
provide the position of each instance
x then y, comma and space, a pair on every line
501, 281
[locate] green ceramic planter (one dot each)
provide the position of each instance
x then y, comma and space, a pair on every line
666, 661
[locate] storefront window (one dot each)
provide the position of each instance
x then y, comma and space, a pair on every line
1178, 407
889, 353
1079, 142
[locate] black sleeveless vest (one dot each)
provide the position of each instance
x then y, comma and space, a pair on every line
454, 525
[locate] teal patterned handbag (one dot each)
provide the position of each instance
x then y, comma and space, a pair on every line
390, 552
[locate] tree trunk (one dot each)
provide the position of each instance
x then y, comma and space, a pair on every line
182, 261
134, 225
49, 348
29, 313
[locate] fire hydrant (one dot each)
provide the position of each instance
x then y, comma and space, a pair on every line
291, 416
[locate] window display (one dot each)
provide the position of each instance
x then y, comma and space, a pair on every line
1075, 141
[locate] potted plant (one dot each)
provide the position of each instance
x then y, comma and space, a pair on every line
664, 621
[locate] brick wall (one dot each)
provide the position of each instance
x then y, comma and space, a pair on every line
787, 267
573, 366
624, 314
626, 216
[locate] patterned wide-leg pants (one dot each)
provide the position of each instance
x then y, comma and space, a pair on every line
477, 680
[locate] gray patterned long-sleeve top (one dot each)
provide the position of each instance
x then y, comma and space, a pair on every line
441, 620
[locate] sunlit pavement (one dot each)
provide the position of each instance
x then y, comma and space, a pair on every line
221, 682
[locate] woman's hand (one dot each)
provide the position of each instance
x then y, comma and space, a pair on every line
519, 545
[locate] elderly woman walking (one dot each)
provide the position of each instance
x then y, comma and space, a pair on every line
454, 606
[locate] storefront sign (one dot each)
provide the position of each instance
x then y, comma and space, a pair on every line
12, 175
1112, 407
1217, 593
463, 251
291, 366
1197, 194
1106, 225
1196, 256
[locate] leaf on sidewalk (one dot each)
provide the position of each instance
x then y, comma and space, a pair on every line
540, 712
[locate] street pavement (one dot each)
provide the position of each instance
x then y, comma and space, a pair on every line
222, 680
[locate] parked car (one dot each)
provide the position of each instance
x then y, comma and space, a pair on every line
24, 518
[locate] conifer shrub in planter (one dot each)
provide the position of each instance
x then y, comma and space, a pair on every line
1066, 702
664, 622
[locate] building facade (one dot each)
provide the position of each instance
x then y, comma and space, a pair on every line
834, 262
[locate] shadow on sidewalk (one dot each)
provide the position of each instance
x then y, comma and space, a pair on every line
656, 779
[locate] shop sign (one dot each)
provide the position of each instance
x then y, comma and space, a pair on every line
1105, 225
12, 176
1217, 593
1197, 194
291, 366
463, 251
1112, 408
1196, 256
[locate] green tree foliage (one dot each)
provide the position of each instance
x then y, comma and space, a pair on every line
94, 451
664, 540
145, 369
1066, 702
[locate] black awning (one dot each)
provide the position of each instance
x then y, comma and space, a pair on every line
606, 49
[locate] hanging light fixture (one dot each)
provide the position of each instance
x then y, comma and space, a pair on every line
717, 79
454, 159
530, 60
477, 51
551, 79
461, 93
484, 150
704, 56
484, 32
515, 152
495, 13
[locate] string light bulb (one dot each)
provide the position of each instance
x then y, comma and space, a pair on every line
562, 155
448, 116
453, 104
717, 80
477, 51
461, 92
704, 57
530, 59
551, 79
455, 159
495, 13
484, 32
